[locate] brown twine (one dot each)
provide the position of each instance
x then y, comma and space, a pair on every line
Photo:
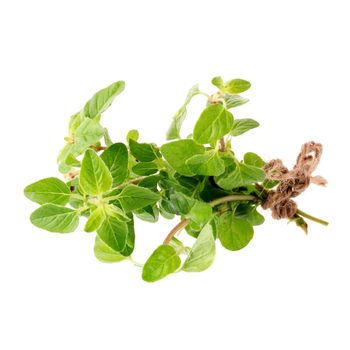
292, 182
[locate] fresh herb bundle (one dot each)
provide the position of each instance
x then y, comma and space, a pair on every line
197, 178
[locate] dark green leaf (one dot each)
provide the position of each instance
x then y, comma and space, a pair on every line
211, 191
145, 168
240, 126
130, 239
214, 122
165, 212
49, 190
161, 263
234, 233
171, 186
116, 159
181, 203
55, 218
191, 183
144, 152
150, 182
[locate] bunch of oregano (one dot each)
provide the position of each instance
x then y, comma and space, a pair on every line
197, 178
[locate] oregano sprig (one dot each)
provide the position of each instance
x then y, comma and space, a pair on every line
199, 179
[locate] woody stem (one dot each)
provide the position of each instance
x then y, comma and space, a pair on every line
183, 223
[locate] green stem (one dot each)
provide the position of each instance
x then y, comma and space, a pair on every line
119, 187
183, 223
313, 218
82, 209
231, 198
130, 182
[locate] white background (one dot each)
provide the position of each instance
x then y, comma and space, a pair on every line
285, 290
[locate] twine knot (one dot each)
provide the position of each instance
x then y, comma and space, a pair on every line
292, 182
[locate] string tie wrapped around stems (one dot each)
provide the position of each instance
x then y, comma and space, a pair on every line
292, 182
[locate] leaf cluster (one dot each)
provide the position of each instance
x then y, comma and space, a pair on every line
199, 178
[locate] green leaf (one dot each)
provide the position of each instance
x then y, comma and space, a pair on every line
74, 122
74, 187
234, 233
150, 182
300, 222
163, 210
143, 152
180, 204
107, 138
62, 157
202, 253
209, 164
149, 213
191, 183
132, 135
88, 133
55, 218
214, 122
161, 263
116, 159
240, 126
49, 190
113, 210
249, 213
171, 186
145, 168
134, 197
232, 101
130, 238
106, 254
180, 115
95, 177
236, 86
200, 212
218, 82
95, 220
114, 233
176, 154
238, 175
253, 159
103, 99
